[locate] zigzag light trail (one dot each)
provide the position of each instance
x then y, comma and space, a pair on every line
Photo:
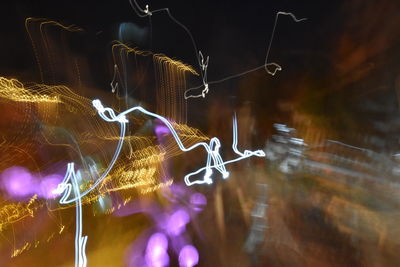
204, 61
214, 161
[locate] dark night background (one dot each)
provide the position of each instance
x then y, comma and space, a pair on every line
340, 77
338, 66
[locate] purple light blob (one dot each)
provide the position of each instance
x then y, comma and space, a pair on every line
188, 256
161, 130
157, 241
198, 200
176, 224
156, 251
161, 260
48, 185
18, 182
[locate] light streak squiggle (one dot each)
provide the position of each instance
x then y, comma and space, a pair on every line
214, 161
277, 66
66, 187
204, 64
71, 171
80, 241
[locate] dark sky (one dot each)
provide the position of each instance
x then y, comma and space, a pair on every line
335, 64
233, 33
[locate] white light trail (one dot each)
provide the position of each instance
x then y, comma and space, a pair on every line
275, 66
214, 161
69, 182
270, 67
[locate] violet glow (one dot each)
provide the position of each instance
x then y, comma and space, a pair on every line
156, 252
160, 129
48, 186
176, 223
188, 256
169, 235
18, 182
198, 201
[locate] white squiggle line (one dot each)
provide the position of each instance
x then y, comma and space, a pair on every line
214, 161
114, 82
265, 65
71, 169
199, 56
65, 187
204, 67
80, 241
277, 66
203, 64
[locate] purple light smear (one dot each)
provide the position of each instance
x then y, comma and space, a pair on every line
188, 256
48, 185
176, 223
152, 250
161, 129
161, 260
156, 252
198, 200
158, 241
18, 182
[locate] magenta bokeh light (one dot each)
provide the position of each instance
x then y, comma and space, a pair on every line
48, 185
156, 251
18, 182
198, 201
188, 256
176, 223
